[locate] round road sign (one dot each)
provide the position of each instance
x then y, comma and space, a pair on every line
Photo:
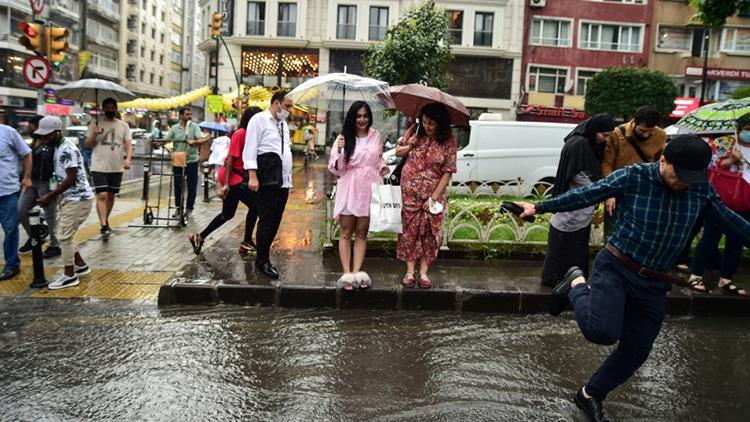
37, 6
36, 71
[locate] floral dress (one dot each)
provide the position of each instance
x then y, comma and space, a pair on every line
425, 165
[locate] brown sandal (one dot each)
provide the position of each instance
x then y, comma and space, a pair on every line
696, 283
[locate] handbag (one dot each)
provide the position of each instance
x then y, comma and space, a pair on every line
179, 158
733, 190
269, 169
385, 209
395, 177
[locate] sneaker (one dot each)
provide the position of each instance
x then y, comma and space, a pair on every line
51, 252
177, 213
248, 248
26, 248
63, 282
188, 213
105, 231
82, 270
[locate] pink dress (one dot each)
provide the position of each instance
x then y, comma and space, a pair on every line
354, 190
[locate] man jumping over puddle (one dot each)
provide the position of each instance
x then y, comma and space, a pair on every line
624, 298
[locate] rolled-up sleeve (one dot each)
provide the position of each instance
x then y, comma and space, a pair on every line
336, 162
252, 139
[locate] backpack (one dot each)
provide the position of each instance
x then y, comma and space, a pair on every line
43, 162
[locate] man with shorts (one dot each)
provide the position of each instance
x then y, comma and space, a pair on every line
110, 142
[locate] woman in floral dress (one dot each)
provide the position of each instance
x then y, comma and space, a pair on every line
431, 161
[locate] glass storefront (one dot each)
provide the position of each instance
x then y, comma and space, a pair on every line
481, 77
285, 68
11, 69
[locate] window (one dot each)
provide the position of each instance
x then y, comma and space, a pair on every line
161, 59
735, 40
550, 32
161, 80
287, 20
626, 1
153, 33
153, 55
595, 36
153, 11
378, 23
143, 28
582, 80
483, 29
545, 79
151, 79
675, 38
346, 27
141, 76
163, 16
455, 25
161, 37
143, 51
256, 18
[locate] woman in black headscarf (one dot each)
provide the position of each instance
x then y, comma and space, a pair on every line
579, 166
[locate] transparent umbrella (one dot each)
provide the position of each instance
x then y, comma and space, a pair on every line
336, 92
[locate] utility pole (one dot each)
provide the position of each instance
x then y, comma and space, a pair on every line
704, 80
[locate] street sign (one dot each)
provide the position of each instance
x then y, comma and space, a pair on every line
36, 71
215, 103
37, 6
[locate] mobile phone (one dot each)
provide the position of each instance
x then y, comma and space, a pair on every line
515, 209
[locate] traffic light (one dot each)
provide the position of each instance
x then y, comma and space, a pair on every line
217, 22
32, 36
56, 43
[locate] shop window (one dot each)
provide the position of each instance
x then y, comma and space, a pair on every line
481, 77
583, 79
483, 29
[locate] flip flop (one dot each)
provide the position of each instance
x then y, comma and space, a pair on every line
732, 289
197, 245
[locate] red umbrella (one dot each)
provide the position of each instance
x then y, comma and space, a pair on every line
409, 100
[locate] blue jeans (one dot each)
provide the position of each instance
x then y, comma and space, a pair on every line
619, 305
9, 220
730, 259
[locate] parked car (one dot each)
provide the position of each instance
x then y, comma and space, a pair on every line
517, 158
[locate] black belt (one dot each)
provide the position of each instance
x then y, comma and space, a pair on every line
642, 271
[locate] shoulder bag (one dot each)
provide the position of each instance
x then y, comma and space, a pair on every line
270, 165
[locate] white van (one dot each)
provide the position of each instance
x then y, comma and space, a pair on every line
515, 157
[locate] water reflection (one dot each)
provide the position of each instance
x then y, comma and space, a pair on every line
107, 360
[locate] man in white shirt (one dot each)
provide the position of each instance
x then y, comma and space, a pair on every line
268, 160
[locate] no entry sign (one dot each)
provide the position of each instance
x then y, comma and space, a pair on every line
37, 6
36, 71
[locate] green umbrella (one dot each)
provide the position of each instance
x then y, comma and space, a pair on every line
716, 118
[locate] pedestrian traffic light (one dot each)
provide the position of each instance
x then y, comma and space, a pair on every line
32, 36
57, 45
217, 23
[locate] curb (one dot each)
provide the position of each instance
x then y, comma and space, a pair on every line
397, 298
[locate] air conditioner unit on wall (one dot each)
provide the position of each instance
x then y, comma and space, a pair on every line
537, 3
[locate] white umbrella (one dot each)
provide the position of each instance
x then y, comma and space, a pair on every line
94, 91
337, 91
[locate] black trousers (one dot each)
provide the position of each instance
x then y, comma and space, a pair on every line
564, 250
191, 173
237, 193
271, 205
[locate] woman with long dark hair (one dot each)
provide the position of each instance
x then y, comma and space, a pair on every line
431, 162
356, 159
580, 165
232, 191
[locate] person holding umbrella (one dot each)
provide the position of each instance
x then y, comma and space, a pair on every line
356, 158
430, 151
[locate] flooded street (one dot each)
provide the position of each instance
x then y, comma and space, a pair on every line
103, 360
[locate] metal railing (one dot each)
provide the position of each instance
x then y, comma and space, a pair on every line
474, 218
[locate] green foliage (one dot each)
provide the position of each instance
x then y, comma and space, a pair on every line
741, 92
416, 50
714, 13
620, 91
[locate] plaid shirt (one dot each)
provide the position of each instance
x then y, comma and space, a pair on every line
653, 223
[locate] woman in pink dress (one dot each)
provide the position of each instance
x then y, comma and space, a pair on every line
356, 158
430, 162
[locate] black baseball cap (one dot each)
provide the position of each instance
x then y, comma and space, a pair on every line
690, 156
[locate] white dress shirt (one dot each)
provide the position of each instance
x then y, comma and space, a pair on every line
264, 135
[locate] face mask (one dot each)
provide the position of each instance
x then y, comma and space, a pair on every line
110, 114
745, 136
283, 114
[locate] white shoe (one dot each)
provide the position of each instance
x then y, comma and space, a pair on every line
347, 282
81, 271
63, 282
363, 279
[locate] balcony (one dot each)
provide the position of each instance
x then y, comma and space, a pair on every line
65, 10
106, 9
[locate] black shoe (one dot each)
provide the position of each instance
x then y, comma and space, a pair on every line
51, 252
105, 231
26, 248
560, 293
269, 270
592, 407
6, 274
188, 213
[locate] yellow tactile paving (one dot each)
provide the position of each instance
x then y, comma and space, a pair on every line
108, 284
121, 219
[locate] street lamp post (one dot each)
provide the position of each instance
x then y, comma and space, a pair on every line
704, 79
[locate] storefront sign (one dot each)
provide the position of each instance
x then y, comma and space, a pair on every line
684, 106
61, 110
718, 73
568, 113
10, 101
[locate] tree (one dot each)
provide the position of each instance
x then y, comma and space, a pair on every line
620, 91
714, 13
741, 92
416, 50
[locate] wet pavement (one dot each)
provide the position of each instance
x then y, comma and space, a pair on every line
104, 360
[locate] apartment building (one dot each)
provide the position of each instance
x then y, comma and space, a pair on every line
283, 43
145, 53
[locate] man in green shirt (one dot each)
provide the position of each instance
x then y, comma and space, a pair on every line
187, 137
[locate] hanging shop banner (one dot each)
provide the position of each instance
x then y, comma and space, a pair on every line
215, 104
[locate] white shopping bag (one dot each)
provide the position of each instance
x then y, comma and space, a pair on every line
385, 209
